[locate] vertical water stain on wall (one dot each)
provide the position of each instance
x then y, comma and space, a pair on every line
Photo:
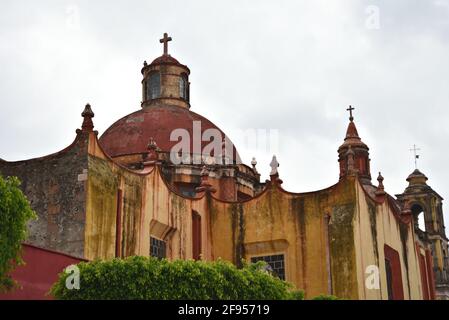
342, 250
298, 208
238, 232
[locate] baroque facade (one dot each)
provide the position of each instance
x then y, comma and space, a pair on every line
133, 192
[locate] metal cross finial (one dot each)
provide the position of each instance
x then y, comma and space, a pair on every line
351, 118
415, 155
165, 41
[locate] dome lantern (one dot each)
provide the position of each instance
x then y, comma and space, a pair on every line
165, 81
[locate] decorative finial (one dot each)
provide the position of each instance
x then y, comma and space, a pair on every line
274, 164
350, 109
87, 114
205, 185
415, 155
152, 145
165, 41
204, 171
145, 63
254, 163
153, 150
380, 188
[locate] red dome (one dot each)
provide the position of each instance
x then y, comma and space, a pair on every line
165, 59
131, 134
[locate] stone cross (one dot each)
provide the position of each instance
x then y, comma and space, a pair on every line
165, 41
274, 164
350, 113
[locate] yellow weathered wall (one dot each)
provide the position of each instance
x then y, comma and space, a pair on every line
375, 225
104, 180
294, 224
328, 237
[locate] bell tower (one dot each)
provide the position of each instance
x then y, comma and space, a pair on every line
353, 154
165, 80
424, 202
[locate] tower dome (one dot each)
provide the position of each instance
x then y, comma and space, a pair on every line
353, 154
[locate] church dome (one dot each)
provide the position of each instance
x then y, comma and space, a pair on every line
165, 108
132, 133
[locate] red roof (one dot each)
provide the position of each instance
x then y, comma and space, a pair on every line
352, 137
165, 59
131, 134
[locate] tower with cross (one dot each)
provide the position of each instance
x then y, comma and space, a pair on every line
353, 153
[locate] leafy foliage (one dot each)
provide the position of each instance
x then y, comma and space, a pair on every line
151, 278
15, 211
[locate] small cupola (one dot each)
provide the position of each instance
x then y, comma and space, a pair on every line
165, 81
353, 154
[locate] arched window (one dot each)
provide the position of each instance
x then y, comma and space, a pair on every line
154, 86
184, 87
418, 214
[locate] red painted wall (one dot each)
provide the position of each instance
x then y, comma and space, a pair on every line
38, 274
427, 276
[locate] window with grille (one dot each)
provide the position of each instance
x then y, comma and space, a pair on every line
157, 248
184, 87
275, 262
154, 86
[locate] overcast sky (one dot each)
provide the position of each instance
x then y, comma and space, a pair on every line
292, 66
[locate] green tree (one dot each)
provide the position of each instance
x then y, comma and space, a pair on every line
15, 211
155, 279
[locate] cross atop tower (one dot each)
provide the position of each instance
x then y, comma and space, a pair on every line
165, 41
351, 118
415, 155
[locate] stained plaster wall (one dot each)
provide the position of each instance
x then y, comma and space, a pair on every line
374, 226
55, 185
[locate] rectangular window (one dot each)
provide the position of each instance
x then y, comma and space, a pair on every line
276, 263
187, 189
182, 88
154, 86
389, 279
393, 273
157, 248
196, 235
118, 223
